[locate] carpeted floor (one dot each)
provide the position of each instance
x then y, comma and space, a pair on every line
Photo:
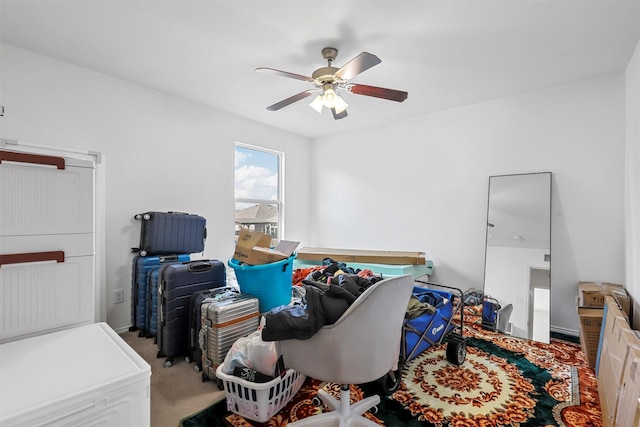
504, 381
176, 392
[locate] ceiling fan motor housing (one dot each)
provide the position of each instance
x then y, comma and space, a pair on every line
325, 75
329, 53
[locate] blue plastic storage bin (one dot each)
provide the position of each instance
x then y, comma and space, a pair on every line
270, 283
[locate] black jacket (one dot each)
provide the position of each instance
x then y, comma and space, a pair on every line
323, 304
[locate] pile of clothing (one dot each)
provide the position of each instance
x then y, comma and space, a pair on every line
325, 294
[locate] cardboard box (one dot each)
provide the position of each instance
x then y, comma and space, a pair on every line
592, 295
590, 324
628, 407
619, 343
363, 256
254, 248
620, 295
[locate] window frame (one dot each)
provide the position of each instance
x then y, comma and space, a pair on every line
279, 202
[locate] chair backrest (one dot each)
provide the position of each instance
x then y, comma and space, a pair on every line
363, 344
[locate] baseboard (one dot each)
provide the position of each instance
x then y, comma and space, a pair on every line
122, 330
565, 331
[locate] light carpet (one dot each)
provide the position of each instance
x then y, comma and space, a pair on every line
177, 391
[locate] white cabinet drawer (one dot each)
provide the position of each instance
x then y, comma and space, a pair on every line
45, 195
70, 244
44, 294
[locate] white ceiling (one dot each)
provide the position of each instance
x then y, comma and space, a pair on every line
444, 53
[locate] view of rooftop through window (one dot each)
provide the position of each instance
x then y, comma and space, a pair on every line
257, 193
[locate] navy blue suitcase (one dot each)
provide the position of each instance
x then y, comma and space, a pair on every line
152, 301
139, 282
177, 283
163, 233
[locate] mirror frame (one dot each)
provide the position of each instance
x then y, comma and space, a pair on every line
542, 333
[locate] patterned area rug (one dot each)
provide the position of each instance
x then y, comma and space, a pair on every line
504, 381
497, 386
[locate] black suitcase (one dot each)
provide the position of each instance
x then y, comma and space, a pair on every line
195, 321
177, 283
141, 267
164, 233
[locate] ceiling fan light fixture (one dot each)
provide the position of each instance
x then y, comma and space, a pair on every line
340, 104
329, 96
317, 104
330, 99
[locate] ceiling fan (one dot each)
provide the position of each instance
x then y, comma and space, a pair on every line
328, 80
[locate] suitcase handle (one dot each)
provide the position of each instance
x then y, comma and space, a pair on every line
168, 258
57, 256
199, 266
38, 159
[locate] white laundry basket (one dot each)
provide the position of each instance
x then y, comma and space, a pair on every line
259, 401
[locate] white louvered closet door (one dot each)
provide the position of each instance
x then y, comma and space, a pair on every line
47, 243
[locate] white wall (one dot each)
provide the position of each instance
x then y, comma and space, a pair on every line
162, 153
632, 193
421, 183
417, 184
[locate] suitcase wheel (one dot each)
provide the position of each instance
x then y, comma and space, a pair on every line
137, 216
187, 359
146, 217
196, 368
168, 363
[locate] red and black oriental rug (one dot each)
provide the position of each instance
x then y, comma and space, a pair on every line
504, 381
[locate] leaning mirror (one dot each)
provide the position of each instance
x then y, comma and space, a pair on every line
518, 252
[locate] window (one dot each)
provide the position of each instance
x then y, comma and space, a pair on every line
258, 190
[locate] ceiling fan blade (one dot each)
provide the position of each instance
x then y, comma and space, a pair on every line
378, 92
284, 74
291, 100
357, 65
339, 116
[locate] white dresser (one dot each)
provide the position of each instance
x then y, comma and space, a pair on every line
84, 376
47, 243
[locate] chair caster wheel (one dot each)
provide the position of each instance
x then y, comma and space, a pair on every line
390, 382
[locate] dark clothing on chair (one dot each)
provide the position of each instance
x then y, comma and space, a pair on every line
324, 303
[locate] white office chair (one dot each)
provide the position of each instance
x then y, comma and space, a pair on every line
363, 345
504, 314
